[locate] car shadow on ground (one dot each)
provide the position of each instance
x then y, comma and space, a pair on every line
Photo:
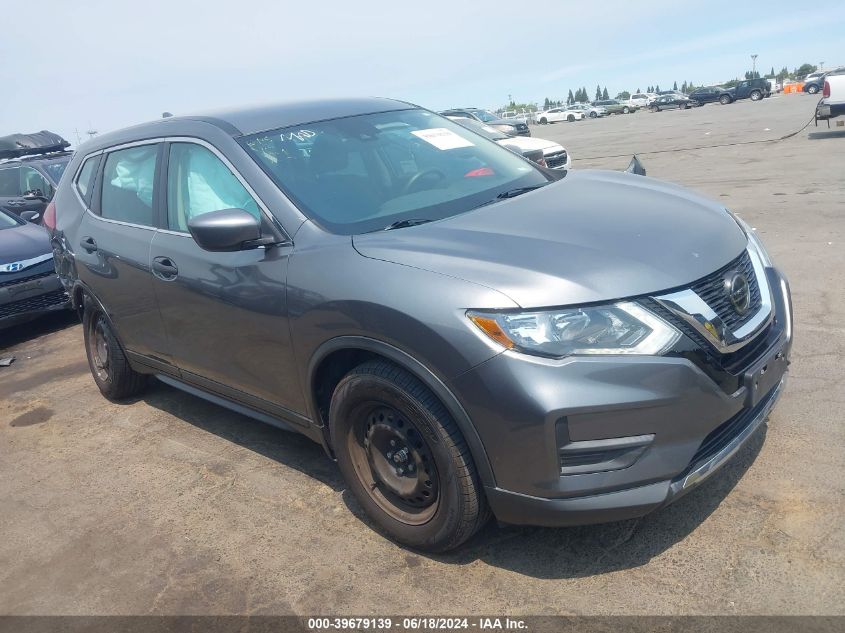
824, 133
547, 553
47, 324
286, 447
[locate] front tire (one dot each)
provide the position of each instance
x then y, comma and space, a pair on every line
570, 118
404, 458
813, 89
725, 99
109, 366
593, 115
625, 110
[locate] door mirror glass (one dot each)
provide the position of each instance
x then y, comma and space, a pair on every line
225, 230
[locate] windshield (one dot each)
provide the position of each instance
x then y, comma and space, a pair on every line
8, 221
363, 173
480, 128
55, 169
485, 116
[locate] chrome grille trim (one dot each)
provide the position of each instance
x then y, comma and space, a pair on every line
692, 309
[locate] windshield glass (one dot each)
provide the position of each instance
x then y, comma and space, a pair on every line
485, 116
7, 221
363, 173
55, 169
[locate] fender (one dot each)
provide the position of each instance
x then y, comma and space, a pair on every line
423, 373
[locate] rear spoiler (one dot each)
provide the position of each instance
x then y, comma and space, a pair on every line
43, 142
635, 167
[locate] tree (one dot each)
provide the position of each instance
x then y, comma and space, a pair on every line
805, 69
683, 87
624, 95
598, 92
546, 104
772, 74
570, 99
604, 94
675, 86
657, 88
783, 74
638, 91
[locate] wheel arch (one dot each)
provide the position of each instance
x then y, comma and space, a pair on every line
336, 357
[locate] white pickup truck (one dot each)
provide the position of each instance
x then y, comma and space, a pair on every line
832, 104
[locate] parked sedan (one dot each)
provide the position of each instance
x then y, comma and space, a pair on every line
667, 102
614, 106
29, 286
590, 111
554, 115
510, 127
544, 153
712, 94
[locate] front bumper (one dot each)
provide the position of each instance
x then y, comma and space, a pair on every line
645, 430
29, 293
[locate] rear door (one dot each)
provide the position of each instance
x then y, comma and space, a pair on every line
112, 249
225, 312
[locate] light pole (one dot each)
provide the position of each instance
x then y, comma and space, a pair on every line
821, 65
753, 65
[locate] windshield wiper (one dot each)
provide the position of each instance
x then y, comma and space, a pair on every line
401, 224
513, 193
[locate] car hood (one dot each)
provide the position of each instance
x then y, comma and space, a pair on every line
528, 143
20, 243
592, 236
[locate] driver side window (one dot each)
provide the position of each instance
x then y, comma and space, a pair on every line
199, 182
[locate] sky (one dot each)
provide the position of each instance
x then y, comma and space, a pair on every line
101, 65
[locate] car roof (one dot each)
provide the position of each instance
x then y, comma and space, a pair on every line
245, 121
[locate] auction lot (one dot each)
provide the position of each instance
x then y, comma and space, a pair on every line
169, 504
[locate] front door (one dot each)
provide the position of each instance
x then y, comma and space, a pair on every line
112, 253
225, 312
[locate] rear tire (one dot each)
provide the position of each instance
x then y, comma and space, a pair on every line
405, 459
756, 95
570, 118
725, 99
544, 121
593, 115
813, 89
109, 367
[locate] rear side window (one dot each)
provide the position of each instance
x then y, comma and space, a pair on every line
34, 181
128, 182
9, 181
199, 182
85, 179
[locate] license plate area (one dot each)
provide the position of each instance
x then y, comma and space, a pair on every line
763, 376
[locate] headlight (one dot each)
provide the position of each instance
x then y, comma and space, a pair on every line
619, 328
507, 129
753, 240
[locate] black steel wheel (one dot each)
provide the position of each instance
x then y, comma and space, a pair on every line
404, 458
109, 366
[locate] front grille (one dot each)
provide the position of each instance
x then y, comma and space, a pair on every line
34, 304
712, 290
23, 280
723, 434
555, 159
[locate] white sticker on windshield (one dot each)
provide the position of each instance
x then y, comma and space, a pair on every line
442, 138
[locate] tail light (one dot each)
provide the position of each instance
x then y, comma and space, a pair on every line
826, 90
50, 216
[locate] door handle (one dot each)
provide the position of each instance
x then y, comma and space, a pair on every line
88, 244
164, 268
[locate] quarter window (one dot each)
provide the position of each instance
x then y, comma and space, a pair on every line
199, 182
128, 183
85, 180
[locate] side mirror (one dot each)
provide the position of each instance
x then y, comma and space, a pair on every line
34, 194
31, 216
225, 230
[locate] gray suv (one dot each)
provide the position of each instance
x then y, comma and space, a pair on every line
465, 332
